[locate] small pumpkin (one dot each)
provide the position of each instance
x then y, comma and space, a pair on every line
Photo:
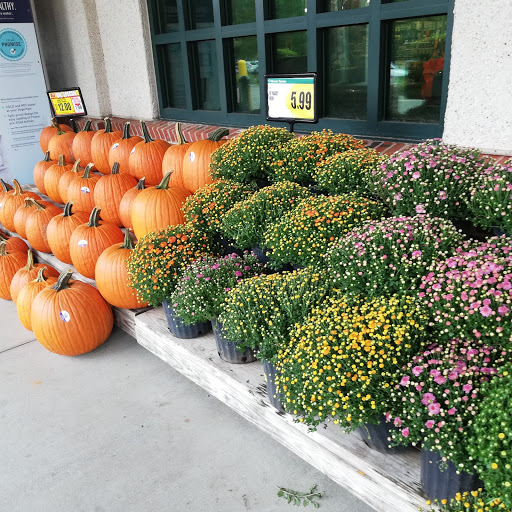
82, 143
125, 206
101, 143
49, 131
157, 207
81, 190
13, 244
71, 317
10, 263
28, 273
21, 216
10, 202
40, 170
66, 179
62, 144
28, 293
146, 158
37, 225
109, 191
60, 229
52, 178
121, 150
89, 240
112, 277
173, 159
197, 160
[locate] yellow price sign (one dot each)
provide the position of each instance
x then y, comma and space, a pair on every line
63, 106
300, 101
67, 103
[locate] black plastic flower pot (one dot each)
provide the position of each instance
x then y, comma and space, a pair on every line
261, 254
262, 183
227, 349
499, 232
469, 230
226, 246
270, 378
440, 479
376, 437
181, 330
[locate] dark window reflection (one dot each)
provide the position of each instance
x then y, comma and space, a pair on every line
172, 76
341, 5
286, 8
167, 13
239, 11
200, 14
289, 52
207, 83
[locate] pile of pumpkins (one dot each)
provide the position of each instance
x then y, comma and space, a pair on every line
67, 316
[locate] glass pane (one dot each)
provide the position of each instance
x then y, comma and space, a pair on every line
207, 83
341, 5
239, 11
200, 14
246, 76
167, 16
172, 79
346, 71
287, 8
290, 52
416, 69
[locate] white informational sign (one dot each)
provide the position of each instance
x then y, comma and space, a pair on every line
24, 109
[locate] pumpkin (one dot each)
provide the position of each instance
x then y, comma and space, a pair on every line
112, 277
197, 160
101, 143
5, 188
10, 263
49, 131
121, 149
27, 295
173, 159
125, 206
28, 273
60, 229
37, 225
82, 144
71, 317
13, 244
52, 178
62, 144
109, 191
157, 207
146, 158
10, 202
21, 216
81, 190
39, 171
89, 240
66, 179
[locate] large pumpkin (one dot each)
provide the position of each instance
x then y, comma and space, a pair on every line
11, 202
22, 213
146, 158
71, 317
157, 207
52, 179
49, 131
37, 225
121, 150
81, 190
82, 144
62, 144
197, 160
125, 206
28, 273
101, 143
10, 263
66, 179
89, 240
112, 277
109, 191
28, 293
173, 159
60, 229
39, 171
13, 244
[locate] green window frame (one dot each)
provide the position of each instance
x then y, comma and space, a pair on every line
377, 16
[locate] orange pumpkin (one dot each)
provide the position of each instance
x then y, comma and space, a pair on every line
60, 229
21, 216
5, 188
121, 149
173, 159
146, 158
28, 273
37, 225
28, 294
13, 244
101, 143
109, 191
112, 277
81, 190
71, 317
40, 170
52, 178
82, 144
10, 263
158, 207
10, 202
49, 131
89, 240
125, 206
62, 144
66, 179
197, 160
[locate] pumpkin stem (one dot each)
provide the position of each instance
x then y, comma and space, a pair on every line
28, 202
164, 184
108, 125
62, 160
60, 131
17, 187
115, 168
30, 261
3, 238
46, 157
74, 125
5, 186
127, 243
87, 126
63, 280
40, 275
54, 122
94, 219
67, 209
39, 206
76, 166
126, 130
87, 170
141, 184
3, 248
147, 137
179, 136
216, 135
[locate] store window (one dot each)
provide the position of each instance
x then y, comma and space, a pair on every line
289, 52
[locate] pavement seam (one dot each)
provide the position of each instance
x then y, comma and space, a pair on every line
16, 346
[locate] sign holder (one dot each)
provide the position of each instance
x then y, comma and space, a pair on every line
67, 102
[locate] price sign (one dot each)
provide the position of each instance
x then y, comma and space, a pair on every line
67, 103
291, 98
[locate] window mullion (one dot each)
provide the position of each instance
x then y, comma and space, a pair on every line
311, 36
221, 74
184, 55
262, 55
373, 98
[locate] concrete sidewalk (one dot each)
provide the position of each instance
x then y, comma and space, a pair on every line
117, 430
